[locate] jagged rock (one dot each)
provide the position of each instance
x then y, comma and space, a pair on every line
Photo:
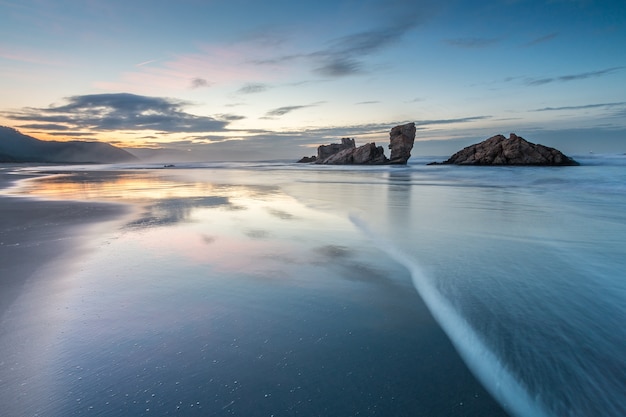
326, 151
368, 154
308, 159
401, 141
498, 150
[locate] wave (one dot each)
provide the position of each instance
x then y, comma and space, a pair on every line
483, 362
601, 159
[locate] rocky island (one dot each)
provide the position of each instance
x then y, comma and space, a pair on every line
401, 139
498, 150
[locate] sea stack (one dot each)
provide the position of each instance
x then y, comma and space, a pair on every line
401, 139
498, 150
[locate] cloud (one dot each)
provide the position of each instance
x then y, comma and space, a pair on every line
230, 117
337, 66
368, 129
45, 126
346, 55
252, 88
20, 54
121, 111
542, 39
199, 83
148, 62
367, 102
71, 134
571, 77
472, 42
450, 121
281, 111
583, 107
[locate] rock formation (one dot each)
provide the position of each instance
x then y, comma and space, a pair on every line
498, 150
326, 151
368, 154
307, 159
401, 141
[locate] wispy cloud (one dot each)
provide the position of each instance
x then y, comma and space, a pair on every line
450, 121
379, 128
367, 102
345, 55
45, 126
571, 77
71, 134
230, 117
253, 88
28, 56
584, 106
148, 62
121, 111
542, 39
472, 42
281, 111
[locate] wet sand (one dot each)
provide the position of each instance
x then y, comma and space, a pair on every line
34, 233
217, 311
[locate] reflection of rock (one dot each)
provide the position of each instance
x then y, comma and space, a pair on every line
346, 153
515, 150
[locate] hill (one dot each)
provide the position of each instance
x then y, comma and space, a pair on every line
17, 147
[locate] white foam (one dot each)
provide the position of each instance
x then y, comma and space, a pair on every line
485, 365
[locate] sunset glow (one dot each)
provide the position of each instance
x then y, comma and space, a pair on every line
249, 81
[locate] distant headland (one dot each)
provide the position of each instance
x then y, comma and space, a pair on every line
17, 147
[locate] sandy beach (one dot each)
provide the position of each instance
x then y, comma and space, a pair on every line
35, 233
282, 289
224, 295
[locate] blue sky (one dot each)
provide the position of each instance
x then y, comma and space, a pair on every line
236, 79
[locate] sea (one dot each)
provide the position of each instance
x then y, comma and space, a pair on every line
285, 289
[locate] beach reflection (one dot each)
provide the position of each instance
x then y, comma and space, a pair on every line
231, 290
162, 199
132, 187
198, 219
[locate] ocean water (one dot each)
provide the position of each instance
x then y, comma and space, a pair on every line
287, 289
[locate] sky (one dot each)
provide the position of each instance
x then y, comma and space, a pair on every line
273, 79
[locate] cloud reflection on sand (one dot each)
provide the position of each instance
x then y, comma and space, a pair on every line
234, 219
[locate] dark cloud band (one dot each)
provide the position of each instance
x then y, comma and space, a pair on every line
120, 111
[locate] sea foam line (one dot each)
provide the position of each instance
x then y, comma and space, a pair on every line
483, 362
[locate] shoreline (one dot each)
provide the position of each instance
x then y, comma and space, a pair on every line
36, 232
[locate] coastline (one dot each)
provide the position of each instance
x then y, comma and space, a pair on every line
35, 233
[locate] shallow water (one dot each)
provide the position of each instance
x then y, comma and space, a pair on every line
285, 289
